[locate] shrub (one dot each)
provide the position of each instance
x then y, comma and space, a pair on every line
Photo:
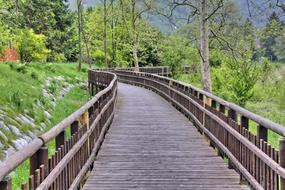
16, 99
32, 46
84, 70
53, 69
35, 75
21, 68
13, 66
57, 57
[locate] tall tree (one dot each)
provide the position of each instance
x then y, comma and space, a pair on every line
132, 13
79, 23
204, 49
54, 20
105, 32
206, 9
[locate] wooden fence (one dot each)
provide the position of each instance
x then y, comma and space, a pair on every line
74, 156
159, 70
226, 125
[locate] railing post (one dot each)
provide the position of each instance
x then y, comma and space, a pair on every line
6, 183
74, 127
59, 139
262, 133
213, 104
222, 109
282, 160
38, 159
233, 115
244, 122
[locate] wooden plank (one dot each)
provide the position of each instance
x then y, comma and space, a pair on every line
150, 145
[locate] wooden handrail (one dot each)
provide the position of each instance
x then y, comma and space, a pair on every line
84, 139
250, 155
275, 127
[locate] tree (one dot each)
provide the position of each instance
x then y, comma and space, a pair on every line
236, 78
105, 32
54, 20
204, 49
32, 46
206, 9
132, 16
269, 34
79, 22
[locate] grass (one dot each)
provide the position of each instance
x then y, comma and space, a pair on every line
74, 99
21, 87
265, 103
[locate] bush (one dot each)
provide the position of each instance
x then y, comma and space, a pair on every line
35, 75
16, 99
99, 57
13, 65
21, 68
57, 57
84, 69
235, 80
32, 46
53, 69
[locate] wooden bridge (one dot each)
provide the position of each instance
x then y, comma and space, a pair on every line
152, 132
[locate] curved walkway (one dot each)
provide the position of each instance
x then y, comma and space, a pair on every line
151, 145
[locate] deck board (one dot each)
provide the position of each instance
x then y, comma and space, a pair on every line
151, 146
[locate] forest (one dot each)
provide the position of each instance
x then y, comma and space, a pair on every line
234, 49
245, 55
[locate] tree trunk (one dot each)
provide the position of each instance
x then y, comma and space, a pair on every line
79, 34
134, 36
85, 39
113, 35
105, 33
136, 59
204, 49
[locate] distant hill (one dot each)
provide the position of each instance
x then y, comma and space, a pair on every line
257, 13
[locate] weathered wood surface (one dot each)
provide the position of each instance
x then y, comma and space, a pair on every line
151, 145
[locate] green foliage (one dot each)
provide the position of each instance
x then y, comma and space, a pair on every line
98, 56
269, 36
16, 99
175, 54
35, 75
54, 20
21, 68
32, 46
235, 80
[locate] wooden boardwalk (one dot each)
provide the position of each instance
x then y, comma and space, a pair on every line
151, 145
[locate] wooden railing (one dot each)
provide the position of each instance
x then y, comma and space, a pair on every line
74, 156
226, 125
159, 70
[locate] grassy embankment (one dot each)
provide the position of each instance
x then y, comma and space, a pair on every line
21, 87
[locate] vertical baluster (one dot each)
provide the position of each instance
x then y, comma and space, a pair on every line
282, 160
24, 186
6, 183
39, 158
37, 178
262, 133
31, 182
60, 139
233, 115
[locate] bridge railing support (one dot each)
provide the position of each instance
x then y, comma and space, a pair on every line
76, 141
282, 160
230, 128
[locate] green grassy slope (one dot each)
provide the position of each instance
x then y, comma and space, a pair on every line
33, 98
